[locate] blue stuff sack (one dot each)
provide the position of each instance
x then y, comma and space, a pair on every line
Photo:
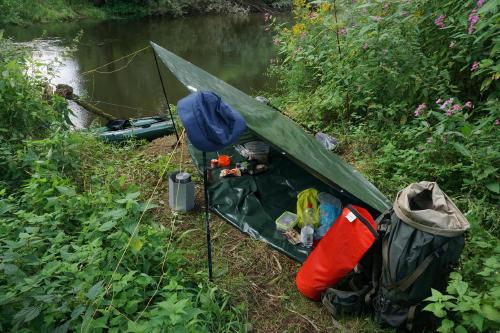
330, 209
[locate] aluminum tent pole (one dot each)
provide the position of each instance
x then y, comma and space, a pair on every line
165, 94
207, 225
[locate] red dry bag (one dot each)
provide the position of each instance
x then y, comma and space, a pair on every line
343, 246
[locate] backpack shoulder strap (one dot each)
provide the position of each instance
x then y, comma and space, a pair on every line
385, 252
327, 300
381, 217
405, 283
383, 227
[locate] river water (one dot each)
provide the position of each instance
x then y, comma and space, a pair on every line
235, 49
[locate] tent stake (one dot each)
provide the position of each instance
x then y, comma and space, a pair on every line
165, 94
207, 225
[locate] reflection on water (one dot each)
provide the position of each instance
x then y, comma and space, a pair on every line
235, 49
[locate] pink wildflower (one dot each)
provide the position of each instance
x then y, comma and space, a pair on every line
480, 3
446, 103
440, 22
473, 18
438, 101
468, 105
420, 109
449, 112
497, 122
343, 32
474, 67
429, 140
302, 35
456, 107
386, 5
365, 46
452, 44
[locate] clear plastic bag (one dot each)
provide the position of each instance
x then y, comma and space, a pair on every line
254, 150
328, 141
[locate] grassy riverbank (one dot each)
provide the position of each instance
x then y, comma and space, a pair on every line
27, 11
411, 91
80, 247
84, 249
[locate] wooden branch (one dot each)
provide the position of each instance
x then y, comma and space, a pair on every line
66, 91
92, 108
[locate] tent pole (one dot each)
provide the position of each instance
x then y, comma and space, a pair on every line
165, 94
207, 225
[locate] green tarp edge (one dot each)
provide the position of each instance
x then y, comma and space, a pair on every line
279, 131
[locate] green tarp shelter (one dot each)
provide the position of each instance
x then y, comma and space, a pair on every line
297, 162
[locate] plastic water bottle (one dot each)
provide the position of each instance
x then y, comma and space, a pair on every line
307, 231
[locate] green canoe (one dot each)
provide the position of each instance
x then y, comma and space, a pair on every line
148, 128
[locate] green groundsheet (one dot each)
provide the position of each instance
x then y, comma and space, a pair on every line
253, 203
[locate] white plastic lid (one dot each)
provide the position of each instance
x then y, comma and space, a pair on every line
182, 176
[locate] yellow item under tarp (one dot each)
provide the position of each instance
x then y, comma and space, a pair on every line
306, 197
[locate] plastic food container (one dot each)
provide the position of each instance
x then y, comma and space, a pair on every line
286, 221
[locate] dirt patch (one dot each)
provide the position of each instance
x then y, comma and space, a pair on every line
160, 146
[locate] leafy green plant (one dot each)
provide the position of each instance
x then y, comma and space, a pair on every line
419, 78
411, 90
24, 111
380, 59
27, 11
93, 260
22, 11
78, 248
472, 299
450, 146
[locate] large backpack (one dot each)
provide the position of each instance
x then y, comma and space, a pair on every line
422, 243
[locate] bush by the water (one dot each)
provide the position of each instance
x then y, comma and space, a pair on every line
78, 248
26, 11
412, 89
